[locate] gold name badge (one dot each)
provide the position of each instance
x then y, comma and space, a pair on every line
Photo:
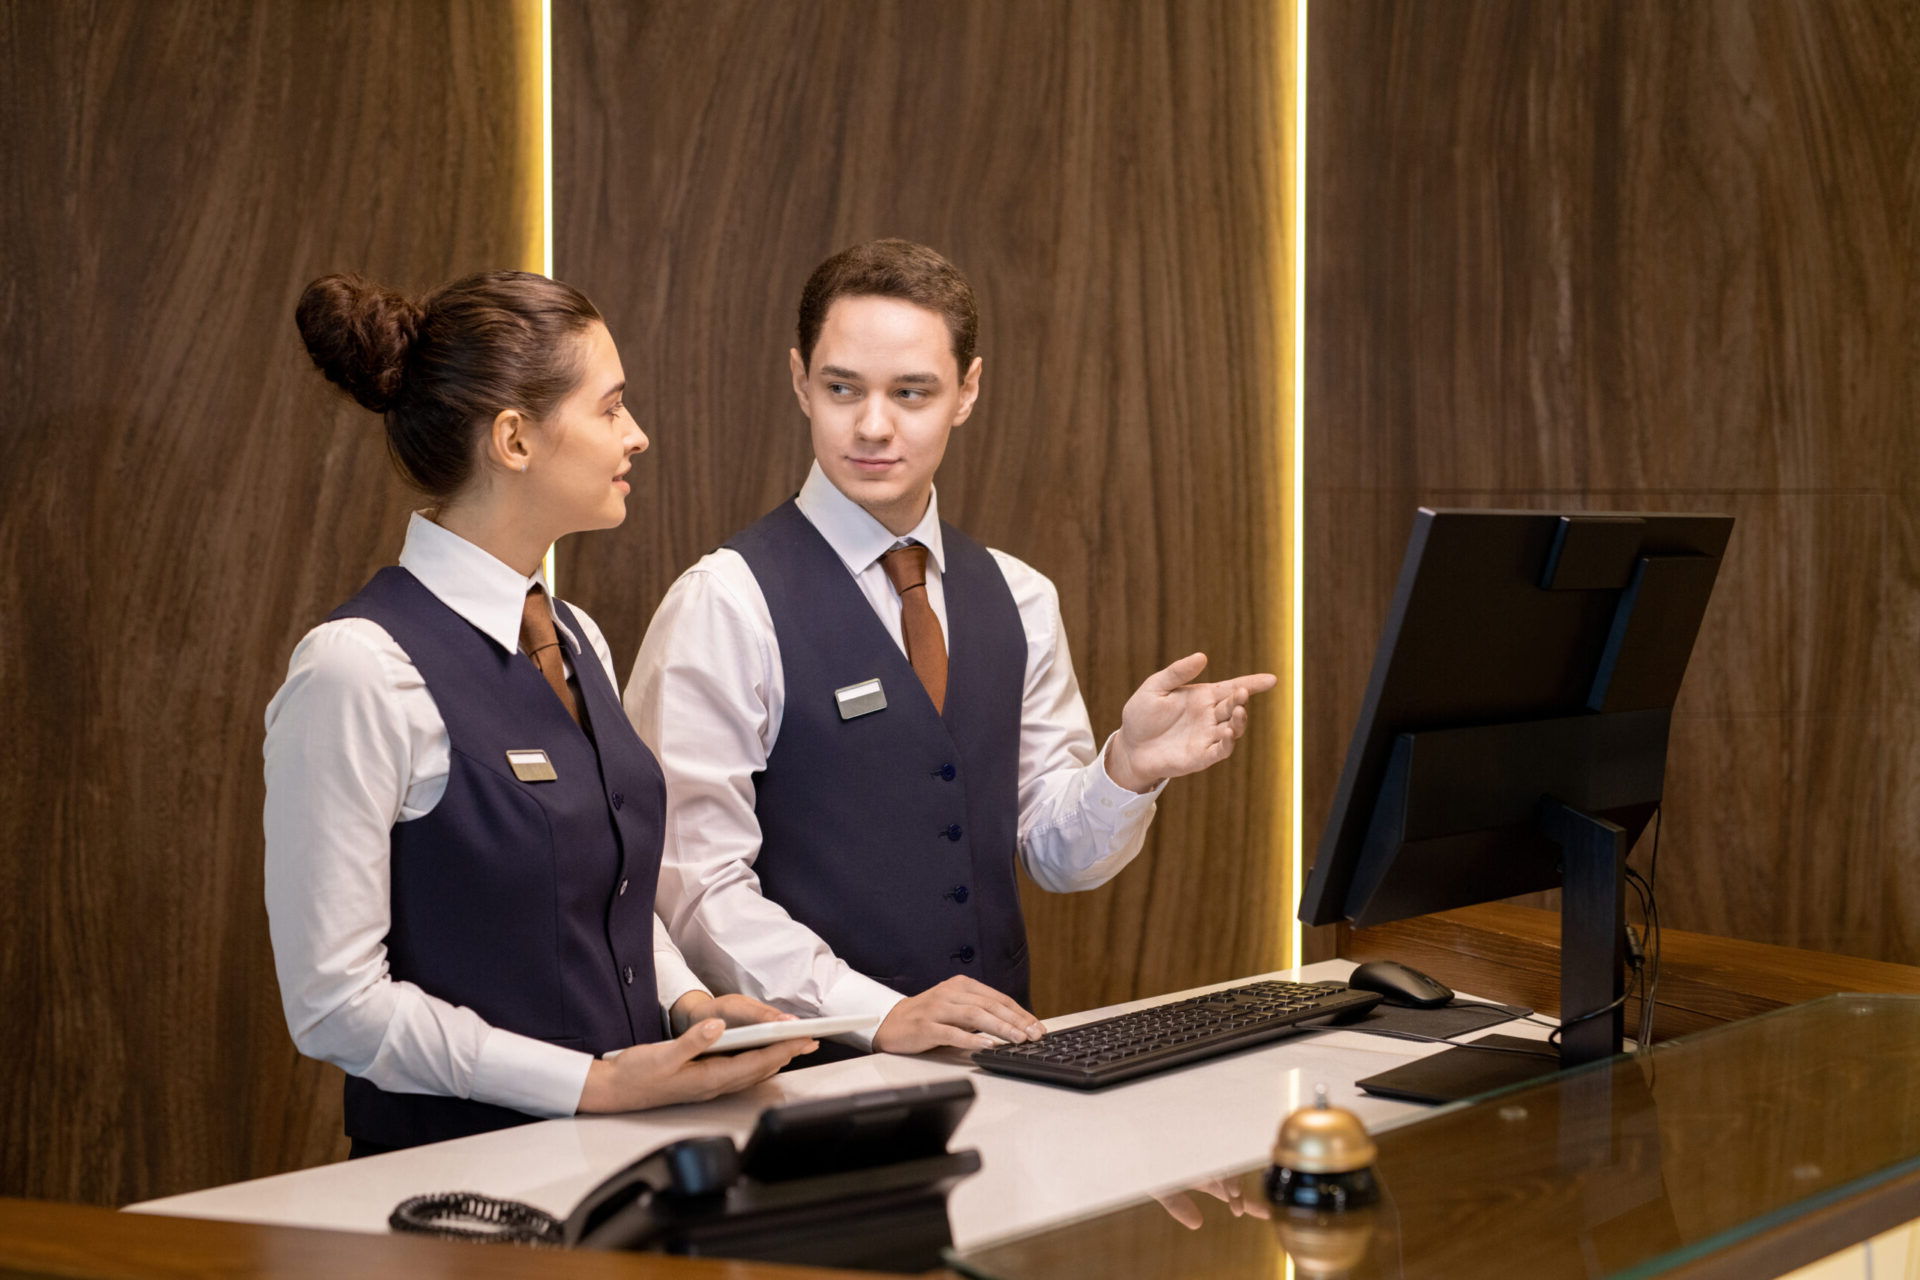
861, 699
532, 765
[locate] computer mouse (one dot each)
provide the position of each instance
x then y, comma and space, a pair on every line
1408, 988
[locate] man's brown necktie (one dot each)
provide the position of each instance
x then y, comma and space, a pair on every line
906, 569
542, 643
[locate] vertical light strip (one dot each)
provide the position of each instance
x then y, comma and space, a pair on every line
1298, 498
546, 188
546, 137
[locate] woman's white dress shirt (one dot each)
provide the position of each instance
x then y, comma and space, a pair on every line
354, 745
707, 694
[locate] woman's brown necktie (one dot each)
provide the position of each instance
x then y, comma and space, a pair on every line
906, 569
542, 643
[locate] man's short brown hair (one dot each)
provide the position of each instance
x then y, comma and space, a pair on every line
892, 269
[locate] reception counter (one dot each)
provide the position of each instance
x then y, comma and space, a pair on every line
1050, 1154
1745, 1151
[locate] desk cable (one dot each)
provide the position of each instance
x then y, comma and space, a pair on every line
1646, 972
493, 1221
1653, 924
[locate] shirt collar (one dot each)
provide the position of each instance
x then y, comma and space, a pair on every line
486, 592
855, 536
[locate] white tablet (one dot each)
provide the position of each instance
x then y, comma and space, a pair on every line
756, 1034
759, 1033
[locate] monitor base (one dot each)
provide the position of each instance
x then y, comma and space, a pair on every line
1464, 1071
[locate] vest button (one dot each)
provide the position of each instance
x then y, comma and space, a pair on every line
947, 772
953, 832
618, 799
628, 974
958, 893
623, 888
964, 955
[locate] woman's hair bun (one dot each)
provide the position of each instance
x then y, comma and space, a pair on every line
359, 333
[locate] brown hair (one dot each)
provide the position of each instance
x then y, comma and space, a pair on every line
892, 269
441, 367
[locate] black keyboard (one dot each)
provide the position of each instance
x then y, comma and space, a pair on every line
1097, 1054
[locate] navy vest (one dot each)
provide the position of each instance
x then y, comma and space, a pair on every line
893, 835
530, 903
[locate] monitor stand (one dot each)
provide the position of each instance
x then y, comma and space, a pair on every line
1593, 921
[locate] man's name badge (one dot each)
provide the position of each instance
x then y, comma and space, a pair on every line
532, 766
861, 699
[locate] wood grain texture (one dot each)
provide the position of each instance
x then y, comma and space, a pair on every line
180, 499
1111, 179
38, 1238
1511, 953
1645, 256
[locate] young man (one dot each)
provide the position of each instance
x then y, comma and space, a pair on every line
865, 716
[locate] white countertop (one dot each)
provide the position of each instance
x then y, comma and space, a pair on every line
1049, 1154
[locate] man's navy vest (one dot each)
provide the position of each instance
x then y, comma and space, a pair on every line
893, 835
530, 903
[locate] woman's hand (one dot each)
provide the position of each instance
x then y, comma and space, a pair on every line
1180, 1206
734, 1010
956, 1012
655, 1075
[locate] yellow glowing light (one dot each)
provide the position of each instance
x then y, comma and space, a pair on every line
546, 179
1297, 570
546, 137
533, 27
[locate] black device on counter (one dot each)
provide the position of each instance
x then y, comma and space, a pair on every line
1096, 1054
859, 1181
1400, 985
1513, 737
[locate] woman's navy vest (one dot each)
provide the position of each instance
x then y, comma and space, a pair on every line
893, 835
530, 903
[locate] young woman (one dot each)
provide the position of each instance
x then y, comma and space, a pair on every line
463, 830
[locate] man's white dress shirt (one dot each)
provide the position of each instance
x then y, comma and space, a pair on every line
354, 745
707, 694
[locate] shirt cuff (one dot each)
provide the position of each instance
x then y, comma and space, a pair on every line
529, 1075
673, 979
853, 993
1107, 798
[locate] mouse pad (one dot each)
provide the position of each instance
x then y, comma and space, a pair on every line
1447, 1021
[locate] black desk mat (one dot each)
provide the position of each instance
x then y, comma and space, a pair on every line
1447, 1021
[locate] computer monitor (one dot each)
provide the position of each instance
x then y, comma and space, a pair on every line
1514, 732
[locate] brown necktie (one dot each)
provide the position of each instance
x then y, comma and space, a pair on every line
926, 648
542, 643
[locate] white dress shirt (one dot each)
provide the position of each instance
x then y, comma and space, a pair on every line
707, 695
354, 745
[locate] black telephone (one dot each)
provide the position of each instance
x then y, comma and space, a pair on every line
858, 1181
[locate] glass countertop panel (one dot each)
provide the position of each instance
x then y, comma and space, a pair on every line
1624, 1168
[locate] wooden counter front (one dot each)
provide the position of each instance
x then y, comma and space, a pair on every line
44, 1238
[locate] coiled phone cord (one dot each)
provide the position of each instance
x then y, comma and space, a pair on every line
502, 1221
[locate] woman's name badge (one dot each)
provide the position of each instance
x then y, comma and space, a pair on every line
861, 699
532, 766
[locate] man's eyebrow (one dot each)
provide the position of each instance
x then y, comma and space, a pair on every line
919, 379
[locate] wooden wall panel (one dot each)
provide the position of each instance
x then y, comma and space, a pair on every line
1114, 181
1638, 255
181, 496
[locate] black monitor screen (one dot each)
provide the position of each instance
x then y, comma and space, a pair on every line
1528, 657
